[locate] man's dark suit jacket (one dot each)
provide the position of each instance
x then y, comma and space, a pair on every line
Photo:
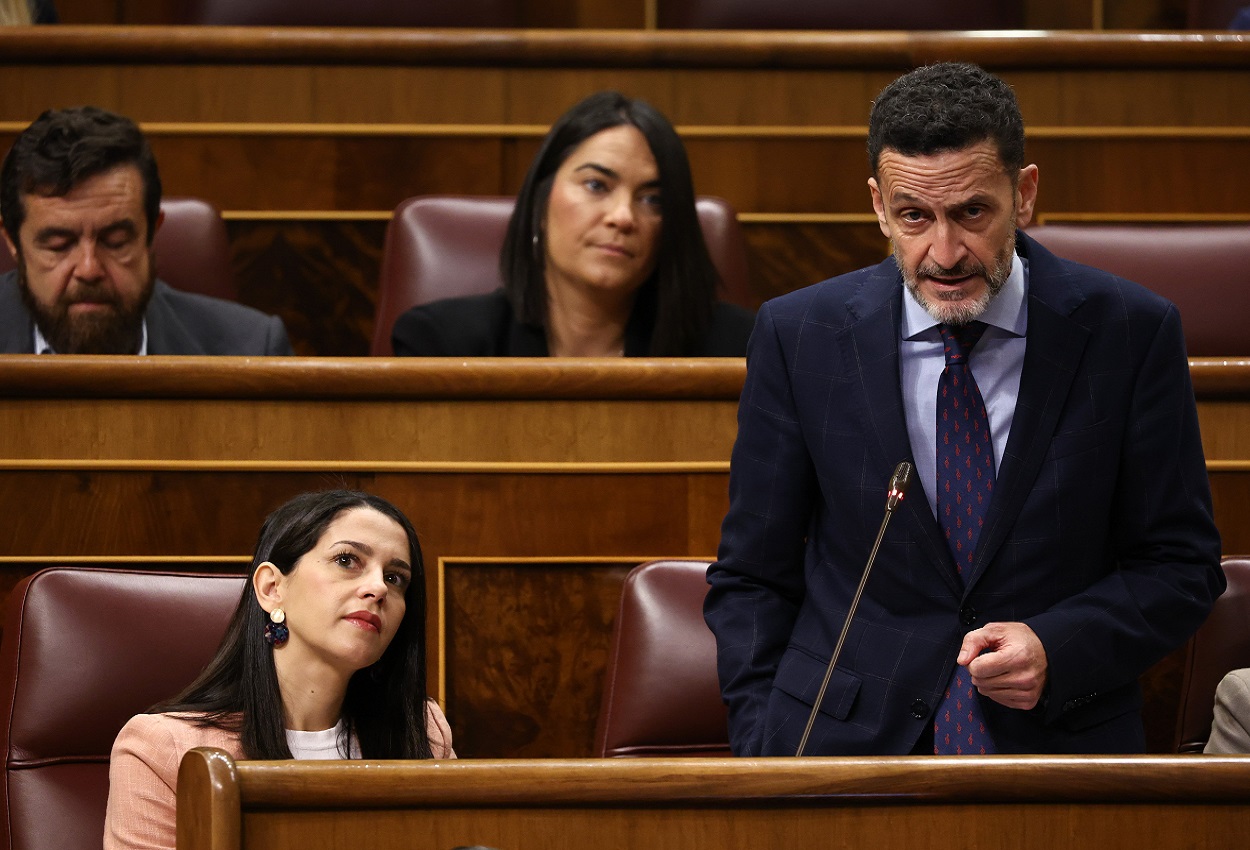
1100, 536
178, 323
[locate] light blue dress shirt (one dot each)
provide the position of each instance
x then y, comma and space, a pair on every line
996, 363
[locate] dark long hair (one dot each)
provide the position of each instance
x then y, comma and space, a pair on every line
385, 704
682, 289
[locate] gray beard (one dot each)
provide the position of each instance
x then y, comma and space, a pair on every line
960, 311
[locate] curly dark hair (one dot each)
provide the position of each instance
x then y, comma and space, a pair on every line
944, 107
64, 147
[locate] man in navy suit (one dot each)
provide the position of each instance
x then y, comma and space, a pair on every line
1096, 552
80, 199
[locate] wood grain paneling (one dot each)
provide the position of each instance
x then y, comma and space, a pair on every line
1029, 803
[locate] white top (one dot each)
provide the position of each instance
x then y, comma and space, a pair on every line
320, 745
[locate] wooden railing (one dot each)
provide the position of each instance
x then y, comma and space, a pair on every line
761, 804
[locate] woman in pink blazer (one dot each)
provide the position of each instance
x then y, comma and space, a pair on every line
324, 658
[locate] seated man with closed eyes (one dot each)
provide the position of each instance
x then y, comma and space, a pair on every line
80, 199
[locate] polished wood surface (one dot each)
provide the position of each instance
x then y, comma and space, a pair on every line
925, 802
535, 485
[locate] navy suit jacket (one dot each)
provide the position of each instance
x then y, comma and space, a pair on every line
1100, 535
178, 323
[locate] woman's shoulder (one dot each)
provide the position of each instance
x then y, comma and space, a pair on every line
173, 732
469, 326
439, 731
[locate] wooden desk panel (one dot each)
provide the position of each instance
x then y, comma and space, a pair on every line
535, 484
986, 802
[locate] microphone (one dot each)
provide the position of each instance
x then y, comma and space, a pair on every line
899, 482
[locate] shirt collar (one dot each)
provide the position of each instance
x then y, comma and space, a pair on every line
1007, 311
42, 346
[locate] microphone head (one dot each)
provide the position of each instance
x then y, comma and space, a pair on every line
899, 483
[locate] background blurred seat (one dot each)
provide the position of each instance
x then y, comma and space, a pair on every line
1220, 645
661, 695
84, 650
192, 249
447, 246
354, 13
841, 14
1204, 269
1213, 14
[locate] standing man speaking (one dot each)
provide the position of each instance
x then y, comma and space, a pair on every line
1062, 541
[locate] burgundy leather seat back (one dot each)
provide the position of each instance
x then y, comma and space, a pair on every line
841, 14
192, 249
661, 695
447, 246
1222, 644
1212, 14
359, 13
1203, 269
83, 651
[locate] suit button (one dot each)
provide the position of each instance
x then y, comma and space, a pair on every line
967, 615
919, 710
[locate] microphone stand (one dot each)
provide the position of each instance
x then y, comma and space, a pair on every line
899, 483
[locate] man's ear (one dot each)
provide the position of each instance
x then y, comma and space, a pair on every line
267, 584
1026, 195
8, 242
878, 206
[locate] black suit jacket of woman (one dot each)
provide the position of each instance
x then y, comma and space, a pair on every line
486, 326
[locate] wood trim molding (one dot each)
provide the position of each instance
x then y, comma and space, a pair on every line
895, 50
495, 379
272, 378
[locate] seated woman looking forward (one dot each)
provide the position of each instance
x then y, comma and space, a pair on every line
603, 256
324, 658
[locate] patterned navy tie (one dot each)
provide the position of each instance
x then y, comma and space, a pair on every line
965, 485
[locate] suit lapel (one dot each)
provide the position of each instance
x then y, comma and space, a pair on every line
871, 344
1052, 355
17, 329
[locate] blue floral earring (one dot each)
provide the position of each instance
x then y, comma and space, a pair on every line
276, 631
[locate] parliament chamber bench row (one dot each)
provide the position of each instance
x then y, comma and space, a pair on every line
307, 140
444, 247
136, 636
535, 485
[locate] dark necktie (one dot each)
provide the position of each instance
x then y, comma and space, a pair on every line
965, 485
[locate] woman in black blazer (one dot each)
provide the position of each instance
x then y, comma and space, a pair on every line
604, 255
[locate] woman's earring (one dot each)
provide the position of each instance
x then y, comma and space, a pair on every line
276, 631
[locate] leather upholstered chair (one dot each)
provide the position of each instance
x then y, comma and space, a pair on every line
1222, 644
661, 695
192, 249
83, 651
443, 246
1203, 269
841, 14
358, 13
1212, 14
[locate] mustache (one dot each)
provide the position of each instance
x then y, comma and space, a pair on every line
962, 269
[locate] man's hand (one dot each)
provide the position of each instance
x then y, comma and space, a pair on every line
1007, 663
